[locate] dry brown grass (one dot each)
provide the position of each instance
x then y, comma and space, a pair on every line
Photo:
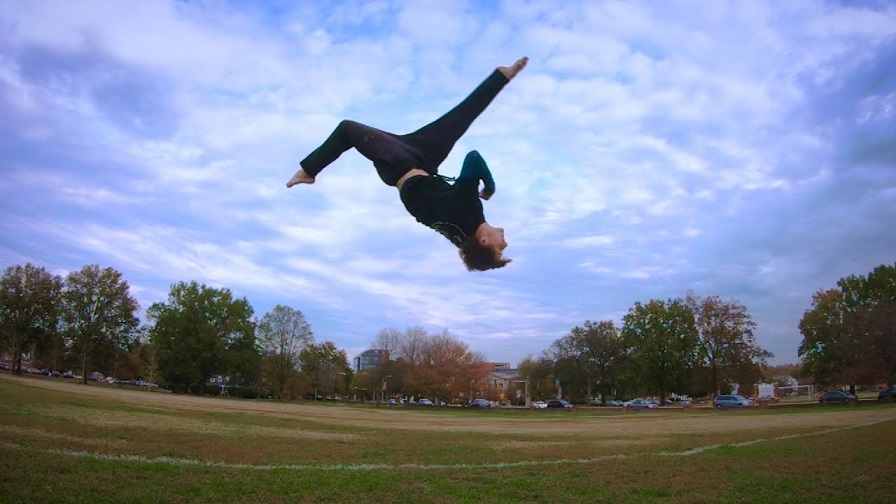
651, 424
64, 442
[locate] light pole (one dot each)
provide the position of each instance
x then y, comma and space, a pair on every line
383, 387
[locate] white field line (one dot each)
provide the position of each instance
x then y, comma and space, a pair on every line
420, 467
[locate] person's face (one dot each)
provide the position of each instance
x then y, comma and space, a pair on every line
493, 237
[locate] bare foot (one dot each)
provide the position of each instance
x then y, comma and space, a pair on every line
511, 71
300, 178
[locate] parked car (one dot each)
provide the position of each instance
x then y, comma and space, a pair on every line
883, 394
480, 403
731, 401
836, 397
615, 402
424, 402
559, 403
640, 403
539, 405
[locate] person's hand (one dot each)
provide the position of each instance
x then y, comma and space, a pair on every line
485, 195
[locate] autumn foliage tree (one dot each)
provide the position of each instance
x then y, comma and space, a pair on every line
728, 348
446, 366
440, 366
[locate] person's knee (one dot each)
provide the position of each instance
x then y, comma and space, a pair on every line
473, 155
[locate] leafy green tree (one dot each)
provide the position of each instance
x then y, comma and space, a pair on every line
869, 306
99, 311
727, 345
823, 349
663, 340
589, 358
201, 332
326, 368
30, 299
606, 352
52, 352
849, 333
569, 377
572, 366
282, 333
539, 374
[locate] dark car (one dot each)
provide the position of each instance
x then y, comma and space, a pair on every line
480, 403
883, 394
559, 403
836, 397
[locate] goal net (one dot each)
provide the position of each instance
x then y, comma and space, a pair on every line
797, 392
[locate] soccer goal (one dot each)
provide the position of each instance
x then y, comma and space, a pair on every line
797, 393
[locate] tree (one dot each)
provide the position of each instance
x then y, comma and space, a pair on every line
98, 311
388, 339
869, 306
662, 337
726, 341
446, 364
849, 333
411, 345
29, 309
605, 351
823, 347
589, 358
201, 332
539, 374
282, 333
326, 368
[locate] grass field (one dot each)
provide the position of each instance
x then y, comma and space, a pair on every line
65, 442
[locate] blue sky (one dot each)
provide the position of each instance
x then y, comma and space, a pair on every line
740, 149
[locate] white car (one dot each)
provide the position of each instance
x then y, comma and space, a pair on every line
540, 405
424, 402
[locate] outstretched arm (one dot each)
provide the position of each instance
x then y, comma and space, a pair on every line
474, 168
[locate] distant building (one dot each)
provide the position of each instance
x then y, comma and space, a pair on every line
370, 360
508, 386
501, 378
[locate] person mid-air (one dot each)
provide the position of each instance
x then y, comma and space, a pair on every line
411, 163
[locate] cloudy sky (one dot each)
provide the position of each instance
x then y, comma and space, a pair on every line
745, 150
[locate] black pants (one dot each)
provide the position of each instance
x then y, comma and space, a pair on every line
394, 155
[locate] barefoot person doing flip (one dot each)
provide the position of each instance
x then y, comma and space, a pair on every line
411, 163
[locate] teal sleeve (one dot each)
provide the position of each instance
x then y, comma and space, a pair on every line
474, 167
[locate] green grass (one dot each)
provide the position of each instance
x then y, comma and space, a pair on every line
67, 444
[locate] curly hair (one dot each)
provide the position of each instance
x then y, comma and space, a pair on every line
478, 257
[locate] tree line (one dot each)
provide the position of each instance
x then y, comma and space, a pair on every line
200, 337
690, 345
203, 339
